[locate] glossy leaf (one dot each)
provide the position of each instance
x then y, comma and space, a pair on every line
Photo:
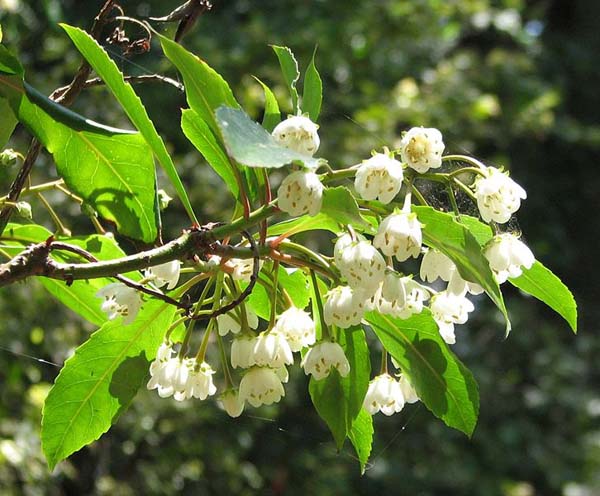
272, 116
541, 283
132, 105
251, 145
80, 295
361, 437
99, 381
312, 96
443, 383
338, 400
198, 132
291, 74
204, 87
443, 232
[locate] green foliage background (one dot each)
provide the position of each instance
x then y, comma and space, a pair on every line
513, 82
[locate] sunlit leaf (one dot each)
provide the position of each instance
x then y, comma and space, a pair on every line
272, 116
291, 74
361, 437
312, 96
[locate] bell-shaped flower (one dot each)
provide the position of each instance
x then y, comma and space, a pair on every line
231, 321
399, 234
507, 256
242, 269
322, 358
271, 349
435, 265
421, 148
298, 328
261, 386
344, 307
199, 383
360, 263
298, 133
384, 395
232, 403
379, 178
402, 297
300, 193
242, 351
498, 196
448, 309
408, 391
164, 274
120, 300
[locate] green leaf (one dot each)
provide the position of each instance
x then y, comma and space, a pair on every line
205, 88
361, 437
113, 172
135, 110
99, 381
443, 383
443, 232
7, 123
304, 223
272, 116
312, 96
338, 400
340, 204
540, 282
251, 145
291, 74
80, 295
198, 132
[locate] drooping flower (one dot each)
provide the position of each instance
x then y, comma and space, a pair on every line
448, 309
435, 264
498, 196
322, 358
242, 268
120, 300
359, 262
421, 148
507, 254
298, 328
402, 297
400, 235
167, 273
271, 349
379, 177
242, 351
261, 386
384, 395
231, 402
298, 133
300, 193
231, 321
344, 307
199, 383
408, 391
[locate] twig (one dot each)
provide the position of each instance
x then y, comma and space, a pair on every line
146, 78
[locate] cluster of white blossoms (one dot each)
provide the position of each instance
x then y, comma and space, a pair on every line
182, 378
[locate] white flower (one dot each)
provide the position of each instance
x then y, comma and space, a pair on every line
400, 235
421, 148
300, 193
271, 349
498, 196
379, 177
120, 300
199, 382
402, 297
384, 395
449, 309
167, 273
507, 255
324, 356
359, 262
298, 328
242, 269
344, 307
459, 286
298, 133
231, 403
231, 321
242, 351
408, 391
435, 264
261, 386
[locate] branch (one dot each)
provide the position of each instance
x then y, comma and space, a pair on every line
146, 78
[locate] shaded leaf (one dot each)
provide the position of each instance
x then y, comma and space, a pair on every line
251, 145
443, 383
7, 123
135, 110
272, 116
99, 381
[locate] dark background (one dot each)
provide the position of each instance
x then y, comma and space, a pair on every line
513, 82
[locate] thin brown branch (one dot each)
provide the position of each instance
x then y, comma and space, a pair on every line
147, 78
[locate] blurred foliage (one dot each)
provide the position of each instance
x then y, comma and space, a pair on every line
511, 81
